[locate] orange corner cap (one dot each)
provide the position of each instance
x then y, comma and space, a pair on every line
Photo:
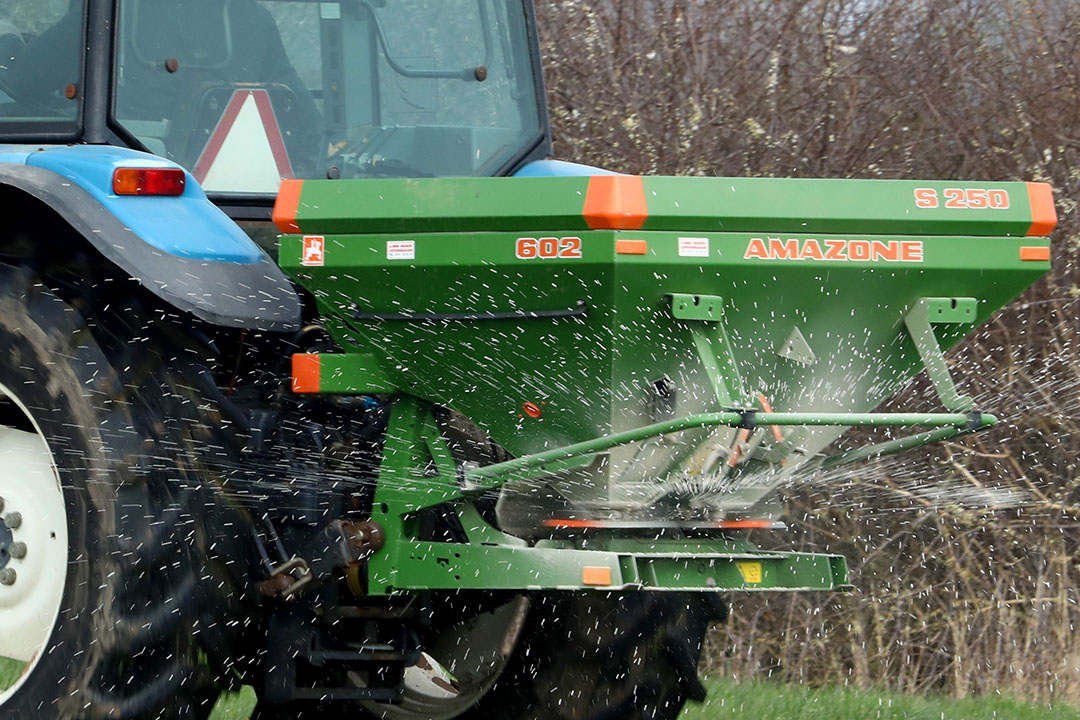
631, 247
1043, 215
288, 202
595, 576
1035, 253
615, 202
305, 373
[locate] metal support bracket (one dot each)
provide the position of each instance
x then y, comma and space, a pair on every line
407, 484
920, 321
712, 344
537, 464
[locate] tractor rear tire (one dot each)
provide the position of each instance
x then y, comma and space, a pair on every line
593, 656
125, 617
584, 656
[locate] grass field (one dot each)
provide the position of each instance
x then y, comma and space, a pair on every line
763, 701
768, 701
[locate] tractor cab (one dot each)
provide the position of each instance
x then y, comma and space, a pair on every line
246, 93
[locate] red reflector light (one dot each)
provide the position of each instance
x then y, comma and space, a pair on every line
148, 181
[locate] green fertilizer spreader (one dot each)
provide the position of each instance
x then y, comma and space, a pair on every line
653, 352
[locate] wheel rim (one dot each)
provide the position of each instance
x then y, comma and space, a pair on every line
33, 548
475, 652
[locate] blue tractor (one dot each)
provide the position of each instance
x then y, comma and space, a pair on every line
493, 447
171, 511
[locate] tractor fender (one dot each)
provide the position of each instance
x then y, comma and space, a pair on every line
183, 249
559, 168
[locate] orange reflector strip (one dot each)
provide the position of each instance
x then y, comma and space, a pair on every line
305, 373
565, 524
595, 575
631, 247
288, 202
1034, 253
1043, 214
573, 523
615, 202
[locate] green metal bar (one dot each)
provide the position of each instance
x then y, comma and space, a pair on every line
712, 344
482, 477
919, 324
352, 374
873, 419
412, 440
714, 349
436, 445
715, 566
529, 465
894, 446
403, 452
686, 306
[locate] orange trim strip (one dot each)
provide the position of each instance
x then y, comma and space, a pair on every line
595, 575
615, 202
631, 247
1043, 214
1035, 253
305, 373
722, 524
746, 524
286, 206
573, 523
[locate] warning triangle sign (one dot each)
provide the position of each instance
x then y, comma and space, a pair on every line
246, 152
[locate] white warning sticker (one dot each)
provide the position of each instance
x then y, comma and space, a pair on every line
314, 254
693, 247
400, 250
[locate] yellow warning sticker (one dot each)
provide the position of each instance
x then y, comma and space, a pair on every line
750, 571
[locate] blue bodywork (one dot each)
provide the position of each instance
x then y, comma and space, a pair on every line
183, 249
188, 226
559, 168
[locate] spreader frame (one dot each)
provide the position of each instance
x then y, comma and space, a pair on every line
493, 560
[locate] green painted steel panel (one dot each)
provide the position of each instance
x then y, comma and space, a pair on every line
353, 374
589, 375
546, 343
868, 207
440, 204
766, 205
704, 567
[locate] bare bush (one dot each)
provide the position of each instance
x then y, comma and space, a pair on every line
965, 555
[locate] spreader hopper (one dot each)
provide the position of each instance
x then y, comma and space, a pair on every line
639, 343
